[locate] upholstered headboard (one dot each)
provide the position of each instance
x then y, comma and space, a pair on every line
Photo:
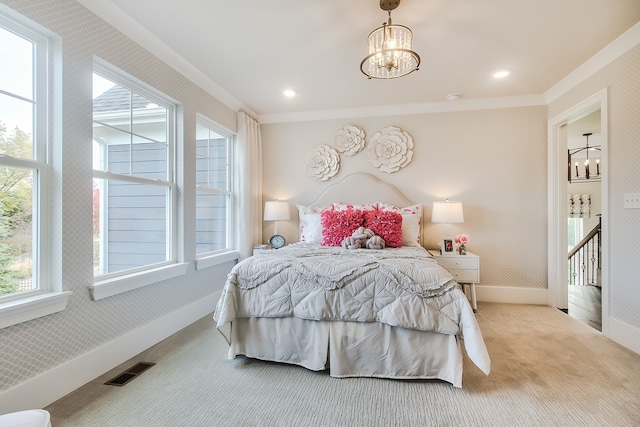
361, 188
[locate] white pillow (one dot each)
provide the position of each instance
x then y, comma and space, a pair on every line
411, 220
347, 206
310, 226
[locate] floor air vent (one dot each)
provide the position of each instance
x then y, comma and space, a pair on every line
130, 374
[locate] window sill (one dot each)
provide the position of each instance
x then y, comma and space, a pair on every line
115, 286
216, 259
22, 310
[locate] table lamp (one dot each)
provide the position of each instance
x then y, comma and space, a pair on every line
447, 212
276, 210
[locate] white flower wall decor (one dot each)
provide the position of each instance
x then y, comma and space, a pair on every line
390, 149
350, 140
322, 162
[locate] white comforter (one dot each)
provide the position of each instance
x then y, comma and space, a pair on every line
402, 287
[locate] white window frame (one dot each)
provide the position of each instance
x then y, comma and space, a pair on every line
110, 284
48, 297
230, 252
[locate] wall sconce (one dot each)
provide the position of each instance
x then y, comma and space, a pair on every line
574, 174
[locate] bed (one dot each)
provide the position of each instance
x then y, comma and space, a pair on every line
323, 304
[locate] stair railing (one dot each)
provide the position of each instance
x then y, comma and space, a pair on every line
584, 258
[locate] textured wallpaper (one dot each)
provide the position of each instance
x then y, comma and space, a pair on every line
493, 161
33, 347
622, 79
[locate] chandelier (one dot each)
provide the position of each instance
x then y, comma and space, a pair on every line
584, 172
390, 55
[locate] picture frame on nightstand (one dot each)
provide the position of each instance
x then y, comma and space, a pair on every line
447, 246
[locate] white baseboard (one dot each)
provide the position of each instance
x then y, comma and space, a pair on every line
512, 295
50, 386
624, 334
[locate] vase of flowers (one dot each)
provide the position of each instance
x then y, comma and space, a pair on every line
461, 240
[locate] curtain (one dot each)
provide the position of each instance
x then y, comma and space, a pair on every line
579, 205
249, 179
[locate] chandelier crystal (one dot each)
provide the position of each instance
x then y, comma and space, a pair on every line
390, 55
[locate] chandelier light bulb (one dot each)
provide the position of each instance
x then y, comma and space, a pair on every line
390, 51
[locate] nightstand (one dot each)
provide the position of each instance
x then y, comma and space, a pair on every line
464, 268
260, 249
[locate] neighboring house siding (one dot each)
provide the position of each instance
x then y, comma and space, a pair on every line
33, 349
211, 233
137, 234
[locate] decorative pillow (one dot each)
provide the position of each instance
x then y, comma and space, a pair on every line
386, 224
310, 223
311, 229
347, 206
411, 219
376, 242
337, 225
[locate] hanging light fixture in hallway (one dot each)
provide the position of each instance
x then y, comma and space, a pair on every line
586, 171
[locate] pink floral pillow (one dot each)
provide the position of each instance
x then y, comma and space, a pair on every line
385, 224
337, 225
347, 206
411, 222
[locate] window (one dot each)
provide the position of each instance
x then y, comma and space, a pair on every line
575, 232
134, 189
23, 162
213, 188
27, 290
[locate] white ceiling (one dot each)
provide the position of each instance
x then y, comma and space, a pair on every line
246, 52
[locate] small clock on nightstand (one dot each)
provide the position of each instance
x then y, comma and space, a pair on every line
276, 210
277, 241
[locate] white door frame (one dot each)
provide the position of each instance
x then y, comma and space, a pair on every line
557, 204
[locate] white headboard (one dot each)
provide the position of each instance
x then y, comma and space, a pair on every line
364, 188
361, 188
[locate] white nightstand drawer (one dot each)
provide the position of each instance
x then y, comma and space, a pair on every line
459, 262
465, 269
465, 276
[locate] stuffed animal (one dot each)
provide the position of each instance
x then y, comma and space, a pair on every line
351, 243
375, 242
358, 238
362, 234
363, 238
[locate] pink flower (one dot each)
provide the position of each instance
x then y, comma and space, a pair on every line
462, 239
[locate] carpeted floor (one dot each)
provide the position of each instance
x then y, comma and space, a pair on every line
547, 370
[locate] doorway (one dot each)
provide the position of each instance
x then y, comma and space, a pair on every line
562, 132
584, 213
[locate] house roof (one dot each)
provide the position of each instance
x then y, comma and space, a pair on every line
118, 98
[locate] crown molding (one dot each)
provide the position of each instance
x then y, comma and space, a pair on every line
128, 26
627, 41
116, 17
406, 109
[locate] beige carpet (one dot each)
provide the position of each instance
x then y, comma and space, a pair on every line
547, 370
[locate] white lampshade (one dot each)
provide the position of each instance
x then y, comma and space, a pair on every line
447, 212
276, 210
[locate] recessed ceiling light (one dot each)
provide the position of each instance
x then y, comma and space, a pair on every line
500, 74
289, 93
453, 96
